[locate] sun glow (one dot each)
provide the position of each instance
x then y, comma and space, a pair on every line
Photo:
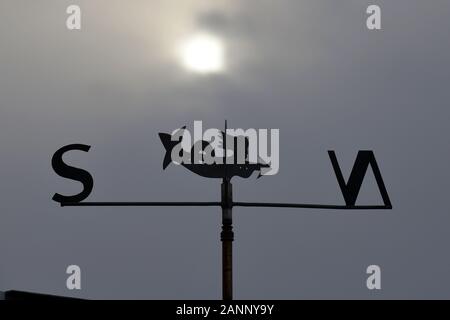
203, 53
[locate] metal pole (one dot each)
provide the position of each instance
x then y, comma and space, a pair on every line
227, 237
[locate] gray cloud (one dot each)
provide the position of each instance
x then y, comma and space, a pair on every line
309, 68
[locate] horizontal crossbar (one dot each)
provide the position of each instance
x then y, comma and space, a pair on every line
308, 206
235, 204
140, 204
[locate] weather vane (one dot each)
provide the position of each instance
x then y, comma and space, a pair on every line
225, 158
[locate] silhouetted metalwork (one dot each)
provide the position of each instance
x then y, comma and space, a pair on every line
140, 204
226, 171
229, 166
215, 204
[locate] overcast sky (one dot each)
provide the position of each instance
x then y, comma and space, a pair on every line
309, 68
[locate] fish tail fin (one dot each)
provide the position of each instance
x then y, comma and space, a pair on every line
168, 144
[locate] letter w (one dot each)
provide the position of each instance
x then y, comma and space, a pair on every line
350, 190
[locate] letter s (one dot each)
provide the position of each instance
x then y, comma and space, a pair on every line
73, 173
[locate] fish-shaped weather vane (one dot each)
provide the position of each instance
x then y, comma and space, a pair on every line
222, 164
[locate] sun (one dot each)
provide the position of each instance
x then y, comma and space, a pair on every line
203, 53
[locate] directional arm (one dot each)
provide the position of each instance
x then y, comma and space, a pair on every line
307, 206
218, 203
140, 204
